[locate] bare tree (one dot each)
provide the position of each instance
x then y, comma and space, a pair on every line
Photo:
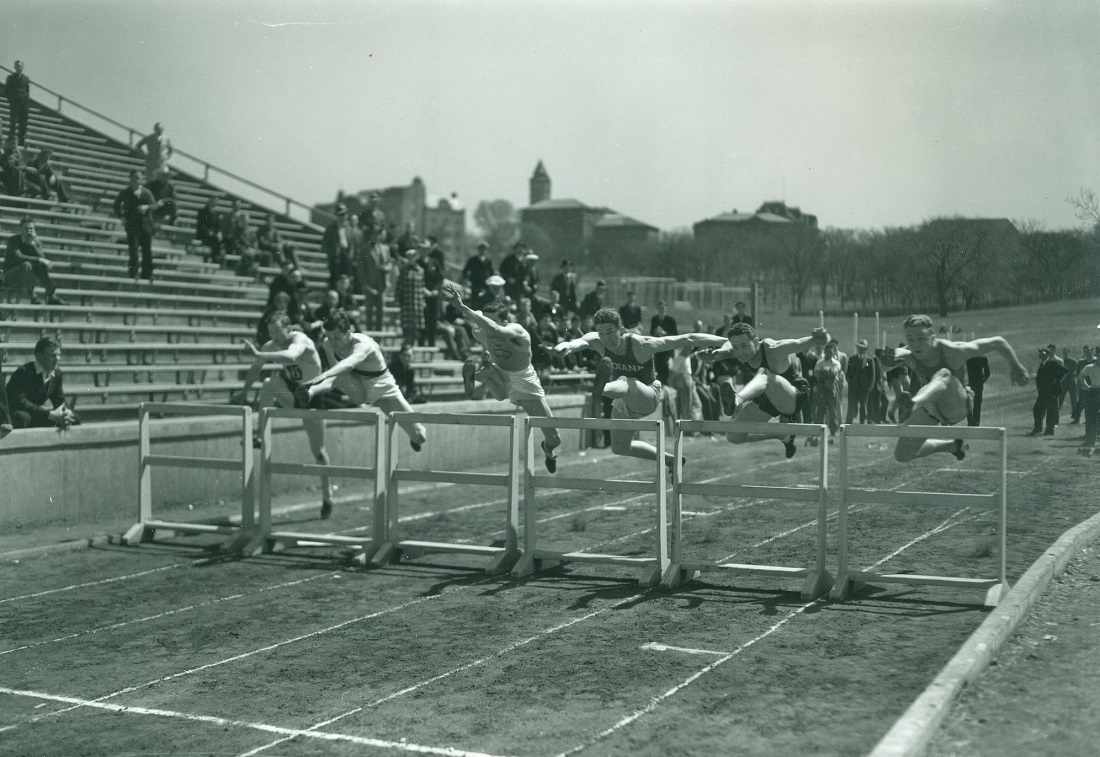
499, 224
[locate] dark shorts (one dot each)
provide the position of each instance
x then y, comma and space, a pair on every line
801, 398
334, 400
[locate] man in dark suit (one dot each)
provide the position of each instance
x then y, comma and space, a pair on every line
662, 324
25, 266
35, 393
861, 379
1069, 385
208, 230
1048, 383
565, 284
134, 205
18, 90
977, 373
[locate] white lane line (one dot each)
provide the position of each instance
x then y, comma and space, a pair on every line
261, 650
167, 613
103, 581
225, 723
655, 647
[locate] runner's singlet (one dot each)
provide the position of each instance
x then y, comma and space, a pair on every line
358, 370
629, 366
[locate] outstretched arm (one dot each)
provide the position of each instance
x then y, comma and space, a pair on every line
1016, 370
359, 353
819, 338
653, 344
582, 343
476, 317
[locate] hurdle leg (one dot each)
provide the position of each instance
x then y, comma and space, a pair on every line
819, 581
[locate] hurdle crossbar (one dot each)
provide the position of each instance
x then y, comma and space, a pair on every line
847, 578
534, 558
270, 540
816, 579
146, 527
501, 558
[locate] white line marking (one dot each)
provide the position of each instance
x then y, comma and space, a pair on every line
655, 647
224, 722
173, 566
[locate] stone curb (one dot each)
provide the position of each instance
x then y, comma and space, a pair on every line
911, 734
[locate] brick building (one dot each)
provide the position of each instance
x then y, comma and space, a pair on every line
733, 246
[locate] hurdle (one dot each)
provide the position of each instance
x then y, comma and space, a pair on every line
393, 548
147, 526
534, 558
271, 541
816, 580
846, 577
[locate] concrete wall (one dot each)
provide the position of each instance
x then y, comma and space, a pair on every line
89, 474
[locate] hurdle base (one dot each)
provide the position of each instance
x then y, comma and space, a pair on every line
136, 534
528, 564
842, 589
375, 555
996, 593
816, 585
677, 575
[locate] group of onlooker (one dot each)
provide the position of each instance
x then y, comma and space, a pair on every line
1060, 377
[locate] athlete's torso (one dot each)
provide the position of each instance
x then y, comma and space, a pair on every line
628, 365
372, 367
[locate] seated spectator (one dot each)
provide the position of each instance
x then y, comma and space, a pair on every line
12, 169
405, 375
36, 397
287, 253
292, 281
25, 266
268, 241
631, 312
235, 228
209, 223
494, 293
156, 149
48, 177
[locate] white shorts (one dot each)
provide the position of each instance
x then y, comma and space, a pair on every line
515, 386
620, 410
367, 391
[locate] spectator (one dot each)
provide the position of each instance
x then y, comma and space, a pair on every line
530, 283
404, 374
513, 269
565, 284
13, 171
235, 229
25, 266
662, 324
132, 205
48, 177
164, 192
456, 335
477, 270
287, 253
280, 302
680, 377
5, 416
631, 312
336, 244
1087, 359
1048, 383
593, 301
807, 361
553, 307
372, 221
977, 373
18, 90
436, 253
1090, 399
268, 241
36, 397
827, 388
208, 230
156, 149
861, 379
376, 265
293, 282
1069, 385
740, 316
901, 385
408, 240
727, 321
494, 292
411, 296
877, 403
433, 282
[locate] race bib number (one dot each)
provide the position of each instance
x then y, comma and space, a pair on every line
294, 373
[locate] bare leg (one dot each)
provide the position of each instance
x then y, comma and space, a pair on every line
540, 408
942, 399
782, 395
315, 431
416, 431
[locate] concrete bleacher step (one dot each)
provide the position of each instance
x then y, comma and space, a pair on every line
162, 287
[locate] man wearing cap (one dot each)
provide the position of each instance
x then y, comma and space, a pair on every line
565, 284
506, 371
513, 269
18, 90
493, 292
861, 379
372, 221
1048, 384
477, 270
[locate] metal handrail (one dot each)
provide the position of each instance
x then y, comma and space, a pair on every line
206, 165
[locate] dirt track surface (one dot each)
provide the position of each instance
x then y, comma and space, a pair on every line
1040, 696
158, 648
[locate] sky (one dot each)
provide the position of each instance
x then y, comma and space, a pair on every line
866, 114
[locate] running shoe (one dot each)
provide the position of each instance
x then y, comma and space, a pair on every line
729, 399
789, 447
551, 460
960, 450
326, 509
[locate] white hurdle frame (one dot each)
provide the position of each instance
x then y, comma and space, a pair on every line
995, 587
270, 540
502, 558
817, 580
534, 558
145, 528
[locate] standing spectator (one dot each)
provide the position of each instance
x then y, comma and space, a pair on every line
513, 269
372, 221
565, 284
827, 387
1087, 358
861, 377
336, 244
433, 282
594, 300
132, 205
477, 270
530, 283
268, 241
403, 372
901, 384
411, 296
374, 276
740, 316
679, 371
1069, 384
25, 265
236, 228
408, 240
156, 149
977, 373
807, 360
18, 90
1048, 383
436, 253
876, 402
631, 312
1090, 399
662, 324
48, 177
208, 230
37, 383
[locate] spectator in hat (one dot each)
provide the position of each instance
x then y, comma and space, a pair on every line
565, 284
156, 148
411, 296
513, 269
1048, 384
18, 89
494, 292
860, 374
477, 270
372, 221
594, 300
336, 244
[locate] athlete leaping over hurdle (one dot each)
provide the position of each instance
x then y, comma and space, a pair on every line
944, 399
777, 387
508, 374
300, 360
359, 371
627, 375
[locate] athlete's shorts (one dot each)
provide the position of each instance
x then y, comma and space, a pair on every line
515, 386
368, 391
801, 398
944, 420
620, 410
334, 400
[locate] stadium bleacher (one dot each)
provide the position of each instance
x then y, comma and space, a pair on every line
178, 338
